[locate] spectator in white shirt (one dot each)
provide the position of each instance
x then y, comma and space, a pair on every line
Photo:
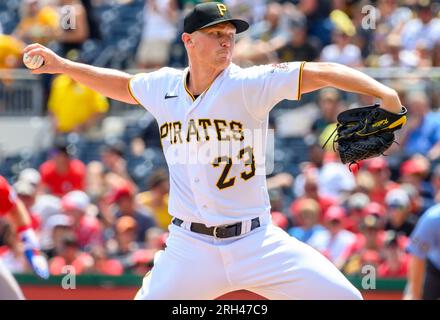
342, 51
423, 30
160, 19
334, 178
396, 56
334, 240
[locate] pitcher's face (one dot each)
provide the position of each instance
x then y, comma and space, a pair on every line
213, 46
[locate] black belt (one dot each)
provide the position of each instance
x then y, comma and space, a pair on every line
223, 231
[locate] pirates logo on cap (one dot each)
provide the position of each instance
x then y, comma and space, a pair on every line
222, 9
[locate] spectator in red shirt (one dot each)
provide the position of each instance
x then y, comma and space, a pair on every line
125, 249
13, 207
366, 248
396, 260
103, 265
70, 256
280, 220
27, 192
377, 210
86, 227
61, 173
124, 199
11, 251
379, 169
311, 191
415, 172
356, 205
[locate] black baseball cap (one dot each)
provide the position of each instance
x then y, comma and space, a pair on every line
208, 14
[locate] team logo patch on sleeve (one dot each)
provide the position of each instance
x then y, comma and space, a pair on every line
280, 67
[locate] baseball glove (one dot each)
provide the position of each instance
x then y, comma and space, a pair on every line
366, 132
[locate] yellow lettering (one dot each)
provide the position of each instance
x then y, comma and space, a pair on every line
163, 131
237, 133
218, 127
222, 9
205, 123
171, 128
177, 131
192, 131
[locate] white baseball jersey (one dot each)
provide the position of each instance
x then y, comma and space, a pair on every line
215, 144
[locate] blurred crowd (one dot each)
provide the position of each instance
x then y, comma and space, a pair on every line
92, 217
360, 218
96, 218
99, 216
381, 33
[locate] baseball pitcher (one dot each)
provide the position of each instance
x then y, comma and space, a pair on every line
213, 120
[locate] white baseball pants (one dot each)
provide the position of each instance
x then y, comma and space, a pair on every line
266, 261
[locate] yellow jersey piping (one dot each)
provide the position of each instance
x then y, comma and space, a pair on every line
298, 96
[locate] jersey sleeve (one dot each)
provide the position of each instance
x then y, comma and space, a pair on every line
148, 89
7, 197
266, 85
423, 236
